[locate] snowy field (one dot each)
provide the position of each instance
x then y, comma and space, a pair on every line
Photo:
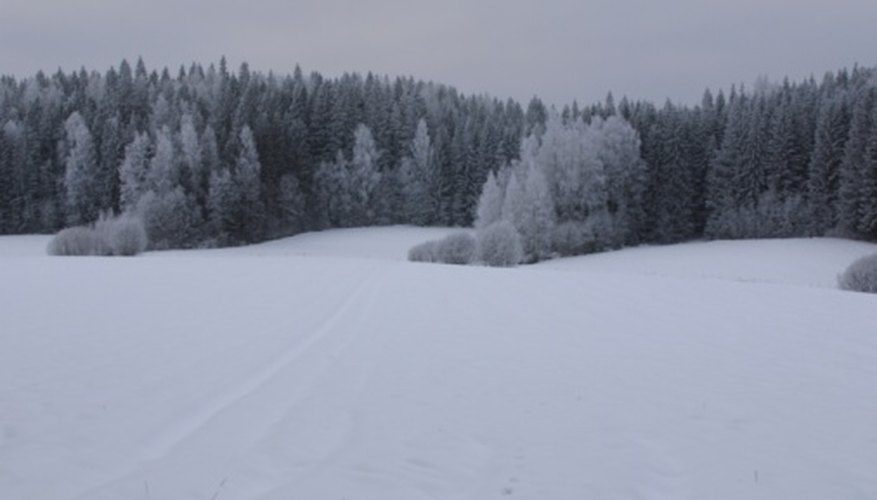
326, 367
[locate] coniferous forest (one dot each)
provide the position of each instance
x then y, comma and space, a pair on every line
212, 156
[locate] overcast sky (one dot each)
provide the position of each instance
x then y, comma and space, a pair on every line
559, 49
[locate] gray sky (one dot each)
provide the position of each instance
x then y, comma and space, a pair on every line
558, 49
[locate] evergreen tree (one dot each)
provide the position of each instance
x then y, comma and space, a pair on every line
825, 165
194, 174
418, 180
133, 172
868, 194
80, 172
245, 219
291, 205
363, 177
490, 204
854, 198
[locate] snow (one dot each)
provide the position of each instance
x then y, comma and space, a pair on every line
385, 243
297, 369
23, 246
807, 262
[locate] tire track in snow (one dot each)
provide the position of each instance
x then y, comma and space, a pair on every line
177, 432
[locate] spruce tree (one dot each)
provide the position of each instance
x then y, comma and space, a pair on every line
81, 172
852, 190
825, 165
133, 172
363, 177
417, 176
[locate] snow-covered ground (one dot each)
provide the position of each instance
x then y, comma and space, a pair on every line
297, 369
808, 262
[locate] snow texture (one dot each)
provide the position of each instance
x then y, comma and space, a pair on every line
277, 372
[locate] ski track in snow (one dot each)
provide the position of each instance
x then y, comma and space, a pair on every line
165, 441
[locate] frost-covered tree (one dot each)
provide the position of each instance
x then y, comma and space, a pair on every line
417, 178
235, 206
868, 195
247, 213
536, 223
853, 188
626, 178
490, 203
170, 217
164, 173
363, 177
193, 173
291, 202
81, 172
499, 245
134, 171
825, 164
568, 156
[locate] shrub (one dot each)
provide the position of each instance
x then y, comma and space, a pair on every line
110, 235
457, 248
424, 252
127, 236
499, 245
78, 240
860, 276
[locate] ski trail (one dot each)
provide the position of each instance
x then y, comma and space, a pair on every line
177, 432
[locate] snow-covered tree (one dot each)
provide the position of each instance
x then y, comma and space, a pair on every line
626, 178
164, 173
417, 178
536, 223
364, 177
134, 171
194, 178
490, 203
81, 171
825, 165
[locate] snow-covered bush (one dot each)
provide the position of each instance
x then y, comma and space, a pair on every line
499, 245
79, 240
124, 235
424, 252
110, 235
861, 275
457, 248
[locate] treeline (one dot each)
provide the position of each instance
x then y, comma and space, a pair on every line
214, 157
211, 156
780, 161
